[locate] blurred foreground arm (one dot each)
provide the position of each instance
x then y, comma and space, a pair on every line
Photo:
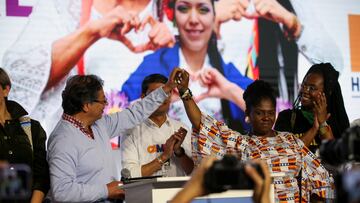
195, 186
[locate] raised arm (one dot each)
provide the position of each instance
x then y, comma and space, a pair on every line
192, 110
67, 51
120, 122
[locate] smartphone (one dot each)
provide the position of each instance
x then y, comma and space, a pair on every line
15, 182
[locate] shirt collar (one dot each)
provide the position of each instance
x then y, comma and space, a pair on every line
16, 110
78, 124
151, 123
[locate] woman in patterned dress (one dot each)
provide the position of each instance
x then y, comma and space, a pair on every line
283, 152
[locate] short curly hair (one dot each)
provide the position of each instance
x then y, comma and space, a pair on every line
79, 90
256, 92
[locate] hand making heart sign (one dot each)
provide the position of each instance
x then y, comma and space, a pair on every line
118, 22
159, 36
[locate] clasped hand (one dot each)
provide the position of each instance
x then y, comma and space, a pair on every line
173, 143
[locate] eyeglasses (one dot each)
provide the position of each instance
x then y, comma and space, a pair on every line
309, 88
104, 102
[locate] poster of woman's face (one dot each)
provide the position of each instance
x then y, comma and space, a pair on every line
224, 45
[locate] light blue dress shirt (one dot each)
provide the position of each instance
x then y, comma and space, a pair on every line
81, 167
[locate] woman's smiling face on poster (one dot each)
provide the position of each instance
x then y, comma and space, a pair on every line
195, 21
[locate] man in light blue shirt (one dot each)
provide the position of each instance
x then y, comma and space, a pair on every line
79, 151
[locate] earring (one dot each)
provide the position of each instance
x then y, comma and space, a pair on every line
247, 119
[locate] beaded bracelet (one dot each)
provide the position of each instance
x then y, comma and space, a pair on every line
186, 95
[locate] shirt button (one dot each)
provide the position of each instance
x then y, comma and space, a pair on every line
10, 152
303, 48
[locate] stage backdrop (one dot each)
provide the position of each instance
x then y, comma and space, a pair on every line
29, 27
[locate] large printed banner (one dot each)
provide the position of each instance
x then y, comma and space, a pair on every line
30, 29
